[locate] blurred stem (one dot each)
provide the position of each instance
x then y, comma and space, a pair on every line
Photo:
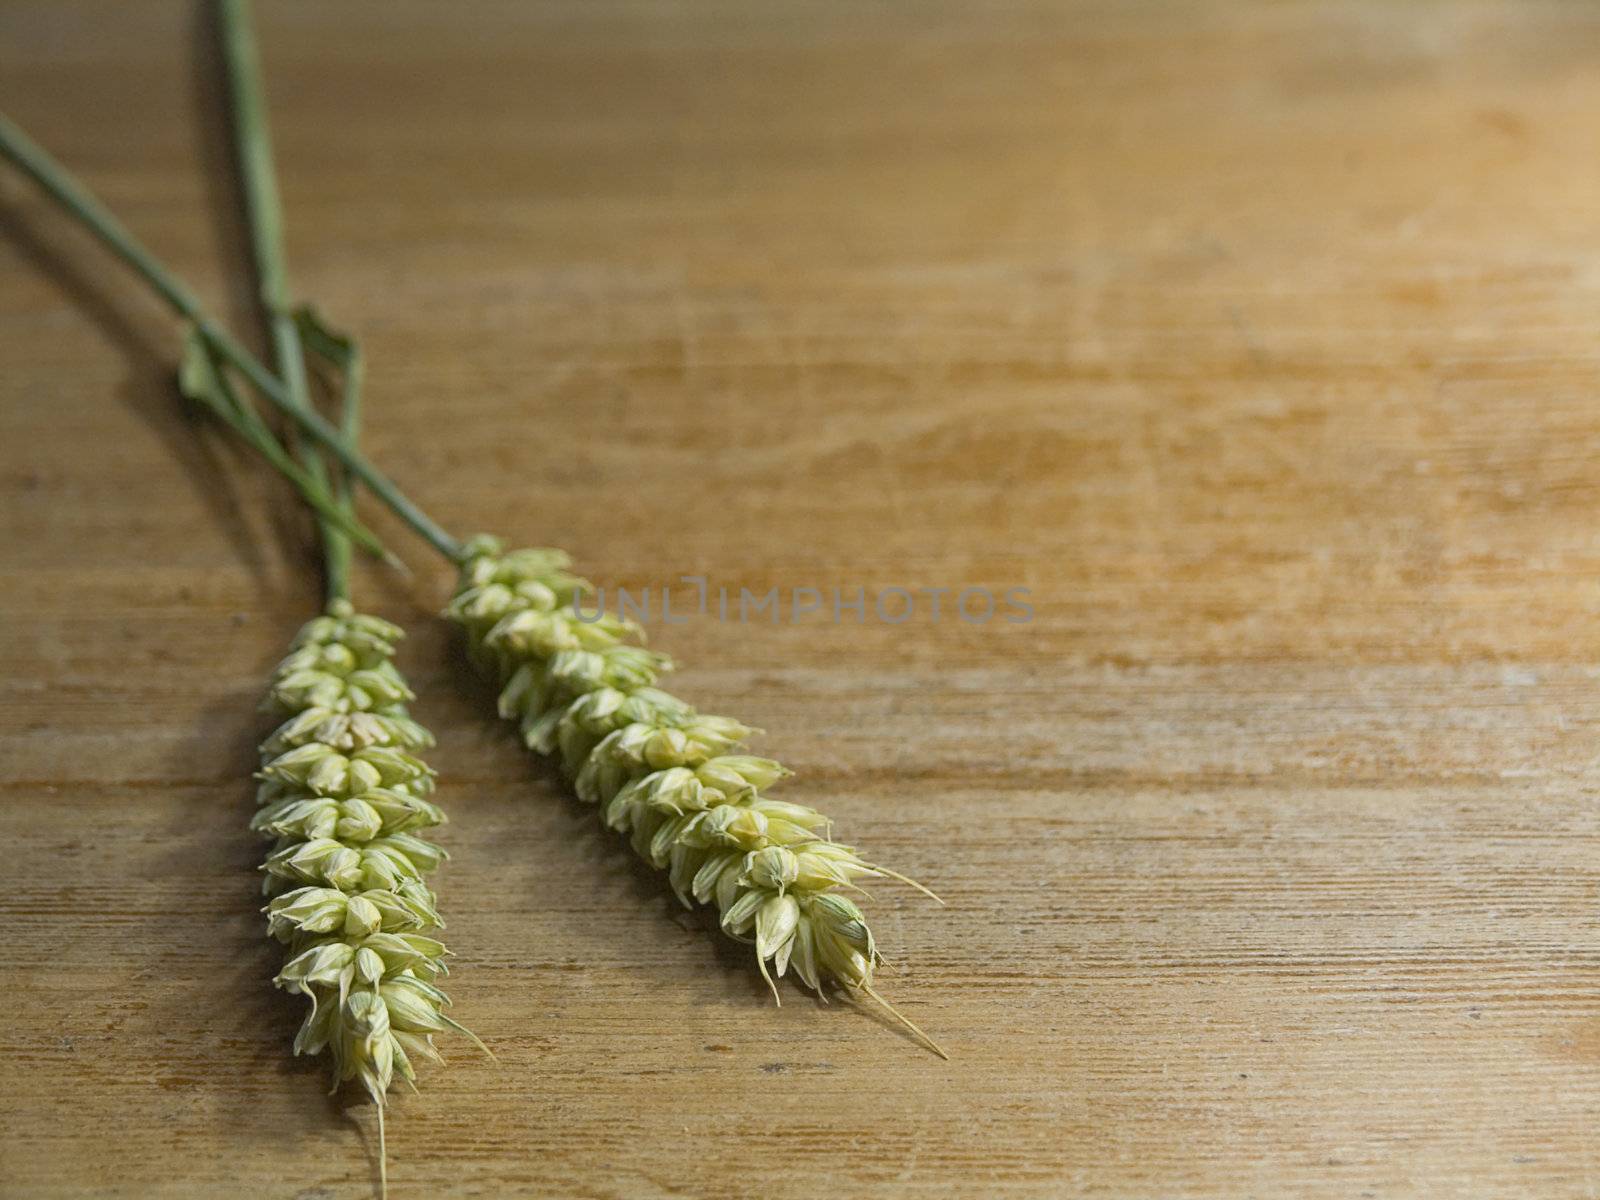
203, 380
33, 161
252, 140
345, 354
336, 545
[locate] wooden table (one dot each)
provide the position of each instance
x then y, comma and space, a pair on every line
1257, 341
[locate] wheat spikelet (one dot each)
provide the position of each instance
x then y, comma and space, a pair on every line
344, 795
672, 779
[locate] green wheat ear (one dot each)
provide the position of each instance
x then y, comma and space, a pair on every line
672, 779
346, 800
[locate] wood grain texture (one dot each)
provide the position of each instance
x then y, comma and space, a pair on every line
1257, 340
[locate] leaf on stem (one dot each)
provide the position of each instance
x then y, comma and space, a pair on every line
202, 380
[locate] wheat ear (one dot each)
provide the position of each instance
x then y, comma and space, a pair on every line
673, 779
344, 795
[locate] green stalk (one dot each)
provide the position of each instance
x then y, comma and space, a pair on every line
335, 544
202, 379
344, 354
33, 161
253, 143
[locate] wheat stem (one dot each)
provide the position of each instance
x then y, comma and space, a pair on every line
204, 380
253, 145
77, 200
383, 1156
